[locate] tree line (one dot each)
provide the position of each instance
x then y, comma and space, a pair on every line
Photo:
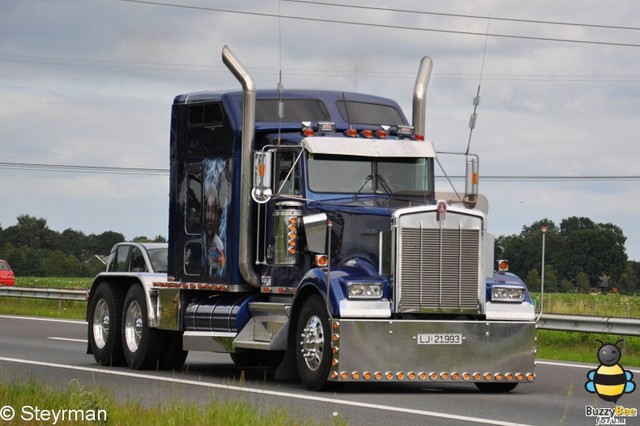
32, 249
580, 256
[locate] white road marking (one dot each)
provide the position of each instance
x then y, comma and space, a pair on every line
586, 366
66, 321
66, 339
314, 398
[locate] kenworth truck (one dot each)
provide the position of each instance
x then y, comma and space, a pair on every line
305, 235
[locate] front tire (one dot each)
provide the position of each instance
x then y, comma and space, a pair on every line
104, 317
140, 344
313, 344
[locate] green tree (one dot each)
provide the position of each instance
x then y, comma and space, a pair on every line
629, 281
533, 280
524, 251
59, 264
592, 248
583, 283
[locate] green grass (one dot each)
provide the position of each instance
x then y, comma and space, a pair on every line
101, 405
55, 282
606, 305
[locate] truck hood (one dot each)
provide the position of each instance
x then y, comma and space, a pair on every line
379, 205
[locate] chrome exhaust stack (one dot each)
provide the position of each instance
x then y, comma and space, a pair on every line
248, 133
420, 95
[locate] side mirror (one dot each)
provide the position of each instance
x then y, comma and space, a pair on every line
262, 170
471, 183
315, 229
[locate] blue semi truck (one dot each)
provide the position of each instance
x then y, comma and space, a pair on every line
306, 235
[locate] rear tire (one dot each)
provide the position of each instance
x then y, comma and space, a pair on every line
174, 356
104, 317
313, 344
140, 344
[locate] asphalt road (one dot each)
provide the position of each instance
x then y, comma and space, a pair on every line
53, 352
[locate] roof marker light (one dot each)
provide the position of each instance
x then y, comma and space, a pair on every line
352, 133
367, 133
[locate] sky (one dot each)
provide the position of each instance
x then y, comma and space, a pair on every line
86, 88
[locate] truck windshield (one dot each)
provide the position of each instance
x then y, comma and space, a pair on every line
365, 175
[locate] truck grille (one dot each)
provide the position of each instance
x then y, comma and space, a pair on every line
438, 270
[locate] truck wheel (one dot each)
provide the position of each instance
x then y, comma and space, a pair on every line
173, 357
313, 344
496, 387
140, 343
104, 315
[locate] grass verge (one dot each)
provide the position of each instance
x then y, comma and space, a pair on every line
78, 405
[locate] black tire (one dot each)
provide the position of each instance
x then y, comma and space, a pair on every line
496, 387
103, 316
140, 344
174, 356
313, 344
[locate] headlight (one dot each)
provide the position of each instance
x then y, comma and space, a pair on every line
507, 294
362, 290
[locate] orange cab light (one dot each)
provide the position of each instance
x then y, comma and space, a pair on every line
503, 265
321, 260
307, 131
367, 133
381, 134
519, 376
352, 133
419, 137
334, 362
292, 250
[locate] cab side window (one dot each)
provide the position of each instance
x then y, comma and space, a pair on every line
285, 180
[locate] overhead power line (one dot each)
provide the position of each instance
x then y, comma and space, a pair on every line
462, 15
83, 169
67, 168
377, 25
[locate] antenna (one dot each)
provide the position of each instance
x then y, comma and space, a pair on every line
280, 88
476, 100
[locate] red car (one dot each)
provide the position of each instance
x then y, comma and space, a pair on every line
6, 274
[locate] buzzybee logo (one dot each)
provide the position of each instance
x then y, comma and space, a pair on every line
610, 380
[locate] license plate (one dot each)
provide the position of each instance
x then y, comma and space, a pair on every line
440, 339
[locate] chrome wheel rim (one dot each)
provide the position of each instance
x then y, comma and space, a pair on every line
101, 322
312, 343
133, 326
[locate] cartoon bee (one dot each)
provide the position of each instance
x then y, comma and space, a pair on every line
609, 381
